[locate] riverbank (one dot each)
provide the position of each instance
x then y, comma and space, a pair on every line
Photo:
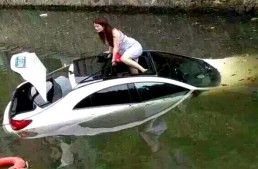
153, 6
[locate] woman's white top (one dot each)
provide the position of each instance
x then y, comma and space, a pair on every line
126, 42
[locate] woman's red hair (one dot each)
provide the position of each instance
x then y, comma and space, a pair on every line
106, 34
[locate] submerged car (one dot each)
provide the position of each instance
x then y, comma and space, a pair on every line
90, 96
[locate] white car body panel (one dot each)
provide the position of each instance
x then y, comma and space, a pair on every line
59, 117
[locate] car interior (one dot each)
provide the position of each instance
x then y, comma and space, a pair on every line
26, 96
122, 70
21, 100
99, 67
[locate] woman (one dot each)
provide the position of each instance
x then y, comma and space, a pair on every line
120, 44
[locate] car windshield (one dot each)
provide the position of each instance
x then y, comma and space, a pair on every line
192, 71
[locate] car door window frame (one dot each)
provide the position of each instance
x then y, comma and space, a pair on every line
164, 93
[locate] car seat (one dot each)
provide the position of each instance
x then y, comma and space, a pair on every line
55, 92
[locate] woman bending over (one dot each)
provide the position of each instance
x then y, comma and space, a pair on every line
120, 44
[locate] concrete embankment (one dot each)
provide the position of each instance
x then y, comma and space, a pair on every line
249, 6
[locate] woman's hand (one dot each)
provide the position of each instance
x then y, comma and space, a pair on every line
113, 63
107, 52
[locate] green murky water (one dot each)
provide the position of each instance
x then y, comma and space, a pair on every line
217, 129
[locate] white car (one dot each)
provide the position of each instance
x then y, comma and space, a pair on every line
90, 96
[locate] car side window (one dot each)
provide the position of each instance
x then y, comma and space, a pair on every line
109, 96
152, 90
170, 65
86, 102
162, 64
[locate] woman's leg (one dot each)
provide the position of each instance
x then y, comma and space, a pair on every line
131, 63
133, 70
133, 53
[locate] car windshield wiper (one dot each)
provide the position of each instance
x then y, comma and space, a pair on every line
92, 75
102, 58
83, 80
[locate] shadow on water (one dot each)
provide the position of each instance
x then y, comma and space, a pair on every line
217, 129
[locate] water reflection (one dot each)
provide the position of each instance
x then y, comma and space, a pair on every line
94, 156
237, 71
151, 132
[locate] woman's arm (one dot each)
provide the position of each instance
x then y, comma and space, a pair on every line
110, 49
116, 41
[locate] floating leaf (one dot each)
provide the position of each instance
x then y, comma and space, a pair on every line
251, 79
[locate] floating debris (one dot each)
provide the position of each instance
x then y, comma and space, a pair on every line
43, 15
195, 23
217, 2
